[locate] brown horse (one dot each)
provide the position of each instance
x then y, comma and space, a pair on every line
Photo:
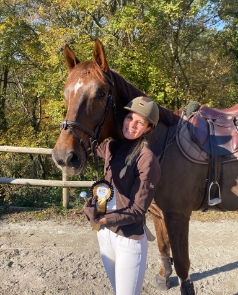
95, 97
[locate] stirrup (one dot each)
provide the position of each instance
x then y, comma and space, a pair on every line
215, 201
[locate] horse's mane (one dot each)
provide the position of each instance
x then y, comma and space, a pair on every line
128, 91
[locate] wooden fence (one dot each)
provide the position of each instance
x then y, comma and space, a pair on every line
64, 183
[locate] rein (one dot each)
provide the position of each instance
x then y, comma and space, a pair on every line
94, 137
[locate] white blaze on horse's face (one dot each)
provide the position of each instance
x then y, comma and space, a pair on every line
72, 89
85, 98
77, 86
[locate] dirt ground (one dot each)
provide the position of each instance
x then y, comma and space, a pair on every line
62, 257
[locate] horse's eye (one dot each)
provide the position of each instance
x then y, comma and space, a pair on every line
101, 94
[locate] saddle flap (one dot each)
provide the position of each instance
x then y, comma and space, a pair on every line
226, 121
226, 134
198, 129
234, 141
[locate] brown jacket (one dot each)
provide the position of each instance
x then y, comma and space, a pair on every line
134, 192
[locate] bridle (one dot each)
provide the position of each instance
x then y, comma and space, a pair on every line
94, 136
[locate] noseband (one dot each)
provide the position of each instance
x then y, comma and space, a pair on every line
94, 137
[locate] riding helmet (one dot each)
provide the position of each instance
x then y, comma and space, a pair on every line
145, 107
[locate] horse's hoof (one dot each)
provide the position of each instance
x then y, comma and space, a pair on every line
187, 288
162, 283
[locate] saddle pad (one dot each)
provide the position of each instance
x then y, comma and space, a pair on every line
187, 146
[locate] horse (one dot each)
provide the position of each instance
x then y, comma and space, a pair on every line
95, 95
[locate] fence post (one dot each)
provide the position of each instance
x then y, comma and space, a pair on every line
65, 191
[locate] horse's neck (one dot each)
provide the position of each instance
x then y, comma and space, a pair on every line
160, 136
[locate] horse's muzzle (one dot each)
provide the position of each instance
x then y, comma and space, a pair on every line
71, 163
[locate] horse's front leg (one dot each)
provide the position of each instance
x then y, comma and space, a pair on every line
178, 227
162, 279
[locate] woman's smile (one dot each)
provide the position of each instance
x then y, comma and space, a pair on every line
134, 126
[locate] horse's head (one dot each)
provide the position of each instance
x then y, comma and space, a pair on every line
90, 110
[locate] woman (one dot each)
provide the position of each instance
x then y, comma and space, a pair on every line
133, 171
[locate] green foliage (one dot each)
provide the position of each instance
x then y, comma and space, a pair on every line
25, 196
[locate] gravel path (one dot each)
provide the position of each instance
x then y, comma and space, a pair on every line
52, 257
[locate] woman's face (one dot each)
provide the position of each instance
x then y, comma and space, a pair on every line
134, 126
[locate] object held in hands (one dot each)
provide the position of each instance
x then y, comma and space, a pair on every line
83, 195
104, 192
101, 193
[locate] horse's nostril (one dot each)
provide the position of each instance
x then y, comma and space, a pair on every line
73, 160
60, 163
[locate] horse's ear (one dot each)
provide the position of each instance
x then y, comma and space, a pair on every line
70, 58
100, 56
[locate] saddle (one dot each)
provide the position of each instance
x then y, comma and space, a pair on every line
215, 132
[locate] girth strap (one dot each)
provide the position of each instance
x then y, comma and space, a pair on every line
213, 145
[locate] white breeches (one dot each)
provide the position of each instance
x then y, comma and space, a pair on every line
124, 261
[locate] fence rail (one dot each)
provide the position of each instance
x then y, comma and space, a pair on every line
64, 183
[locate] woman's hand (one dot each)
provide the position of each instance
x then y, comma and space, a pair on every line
90, 210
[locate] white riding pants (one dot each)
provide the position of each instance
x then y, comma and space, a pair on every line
124, 261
